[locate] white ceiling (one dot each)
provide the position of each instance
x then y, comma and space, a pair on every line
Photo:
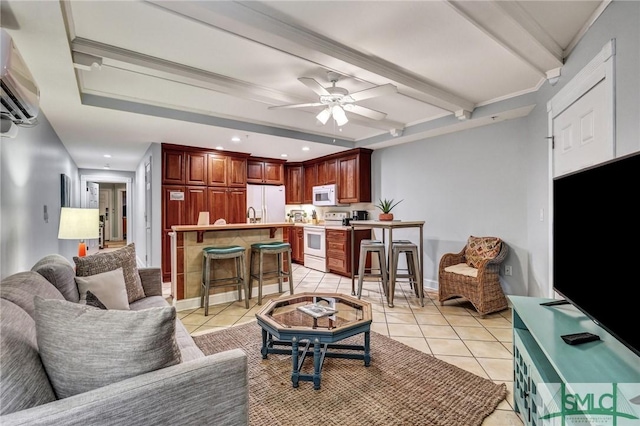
200, 72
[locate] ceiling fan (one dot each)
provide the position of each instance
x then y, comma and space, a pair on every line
336, 100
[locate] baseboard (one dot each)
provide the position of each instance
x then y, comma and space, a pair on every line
227, 297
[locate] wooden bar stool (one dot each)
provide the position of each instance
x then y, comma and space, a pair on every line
258, 251
410, 251
209, 256
372, 246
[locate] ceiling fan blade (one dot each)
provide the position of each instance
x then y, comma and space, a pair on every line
312, 104
314, 85
365, 112
385, 89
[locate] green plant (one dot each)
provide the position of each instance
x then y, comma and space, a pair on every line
387, 205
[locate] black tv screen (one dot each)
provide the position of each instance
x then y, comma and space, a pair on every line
596, 244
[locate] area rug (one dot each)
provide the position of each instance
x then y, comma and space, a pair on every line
402, 386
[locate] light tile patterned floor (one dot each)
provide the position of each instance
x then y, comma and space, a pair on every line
454, 333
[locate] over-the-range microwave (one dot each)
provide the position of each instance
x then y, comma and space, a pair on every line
325, 195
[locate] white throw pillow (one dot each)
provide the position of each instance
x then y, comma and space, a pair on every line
109, 287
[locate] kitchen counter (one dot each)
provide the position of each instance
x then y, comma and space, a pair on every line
187, 242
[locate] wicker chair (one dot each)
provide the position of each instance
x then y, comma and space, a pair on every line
483, 290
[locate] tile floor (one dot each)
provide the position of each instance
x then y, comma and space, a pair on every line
454, 333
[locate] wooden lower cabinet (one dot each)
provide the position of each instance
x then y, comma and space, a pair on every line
296, 239
339, 250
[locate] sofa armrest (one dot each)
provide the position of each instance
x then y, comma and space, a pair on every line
151, 281
211, 388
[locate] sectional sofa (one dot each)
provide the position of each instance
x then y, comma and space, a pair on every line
67, 363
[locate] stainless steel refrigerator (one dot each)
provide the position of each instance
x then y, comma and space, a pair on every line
268, 202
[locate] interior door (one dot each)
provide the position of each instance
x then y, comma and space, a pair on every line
106, 211
147, 212
91, 201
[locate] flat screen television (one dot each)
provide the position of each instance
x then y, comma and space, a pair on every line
596, 244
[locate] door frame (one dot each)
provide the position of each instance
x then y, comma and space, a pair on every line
112, 218
112, 179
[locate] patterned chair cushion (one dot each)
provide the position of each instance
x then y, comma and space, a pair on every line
481, 248
124, 258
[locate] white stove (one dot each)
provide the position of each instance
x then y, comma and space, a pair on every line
334, 218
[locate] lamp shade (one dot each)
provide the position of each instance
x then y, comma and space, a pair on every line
79, 224
324, 115
339, 115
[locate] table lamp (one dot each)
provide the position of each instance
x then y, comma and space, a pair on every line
79, 224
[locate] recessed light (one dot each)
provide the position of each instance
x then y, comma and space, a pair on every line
305, 148
283, 155
220, 147
107, 156
235, 139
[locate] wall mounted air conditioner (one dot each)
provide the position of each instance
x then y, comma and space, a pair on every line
19, 93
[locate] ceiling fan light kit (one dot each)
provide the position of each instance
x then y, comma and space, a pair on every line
336, 100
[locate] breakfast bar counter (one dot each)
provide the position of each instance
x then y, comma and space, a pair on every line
187, 242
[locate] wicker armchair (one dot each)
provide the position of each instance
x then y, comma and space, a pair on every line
483, 290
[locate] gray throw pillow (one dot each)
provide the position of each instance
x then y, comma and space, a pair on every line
124, 258
83, 348
108, 286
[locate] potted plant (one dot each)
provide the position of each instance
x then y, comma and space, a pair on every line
386, 206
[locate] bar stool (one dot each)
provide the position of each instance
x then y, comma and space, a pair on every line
372, 246
209, 256
410, 251
258, 251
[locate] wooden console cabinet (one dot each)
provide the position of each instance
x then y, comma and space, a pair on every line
541, 358
296, 239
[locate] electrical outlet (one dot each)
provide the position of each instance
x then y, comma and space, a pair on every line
507, 270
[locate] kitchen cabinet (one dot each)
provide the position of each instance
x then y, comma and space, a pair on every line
196, 180
227, 203
173, 167
327, 172
296, 239
354, 178
228, 171
294, 178
196, 168
339, 250
265, 171
310, 179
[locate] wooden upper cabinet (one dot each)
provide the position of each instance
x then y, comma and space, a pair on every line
173, 172
237, 172
327, 172
265, 171
218, 165
310, 180
293, 184
354, 178
196, 170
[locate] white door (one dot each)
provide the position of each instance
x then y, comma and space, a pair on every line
106, 210
580, 133
91, 202
147, 212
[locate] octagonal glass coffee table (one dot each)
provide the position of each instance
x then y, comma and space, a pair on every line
313, 323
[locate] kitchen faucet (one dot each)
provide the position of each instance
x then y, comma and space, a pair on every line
251, 219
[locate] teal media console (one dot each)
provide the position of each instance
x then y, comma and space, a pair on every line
556, 383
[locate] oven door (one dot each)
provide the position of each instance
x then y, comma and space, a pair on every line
314, 241
315, 248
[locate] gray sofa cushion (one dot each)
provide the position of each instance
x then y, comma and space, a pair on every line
188, 347
59, 272
24, 382
84, 348
21, 287
124, 258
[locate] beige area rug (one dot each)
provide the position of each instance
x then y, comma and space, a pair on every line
402, 386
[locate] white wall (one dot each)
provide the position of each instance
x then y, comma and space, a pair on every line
30, 168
